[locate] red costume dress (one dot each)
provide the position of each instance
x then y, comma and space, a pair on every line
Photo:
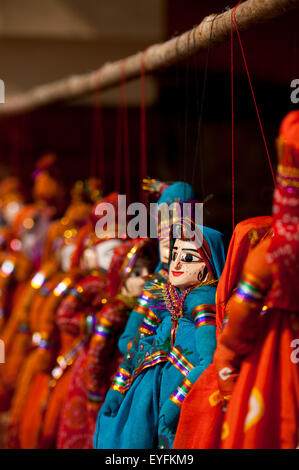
257, 357
98, 361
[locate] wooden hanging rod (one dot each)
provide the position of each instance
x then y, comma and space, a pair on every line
156, 57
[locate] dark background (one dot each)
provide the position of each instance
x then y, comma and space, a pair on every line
176, 150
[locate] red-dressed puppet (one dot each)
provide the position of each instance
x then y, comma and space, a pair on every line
257, 355
93, 370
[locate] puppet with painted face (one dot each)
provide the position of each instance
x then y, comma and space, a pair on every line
175, 344
178, 192
256, 358
97, 362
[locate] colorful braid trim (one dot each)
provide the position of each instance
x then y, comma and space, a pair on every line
142, 303
95, 397
90, 323
149, 324
120, 382
249, 290
103, 328
179, 361
288, 176
150, 361
77, 292
181, 392
204, 315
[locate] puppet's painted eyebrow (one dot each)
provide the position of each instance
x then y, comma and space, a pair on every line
190, 249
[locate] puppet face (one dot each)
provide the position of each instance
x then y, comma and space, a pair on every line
65, 257
33, 236
186, 267
11, 210
99, 256
88, 260
134, 284
164, 247
104, 252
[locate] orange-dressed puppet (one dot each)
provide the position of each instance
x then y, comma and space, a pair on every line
257, 356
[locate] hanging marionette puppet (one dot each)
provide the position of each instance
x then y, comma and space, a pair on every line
11, 202
93, 257
92, 372
41, 321
178, 192
201, 415
176, 343
256, 359
17, 333
28, 233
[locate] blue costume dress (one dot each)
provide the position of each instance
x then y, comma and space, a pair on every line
174, 345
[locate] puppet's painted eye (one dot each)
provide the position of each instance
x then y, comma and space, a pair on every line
136, 273
189, 258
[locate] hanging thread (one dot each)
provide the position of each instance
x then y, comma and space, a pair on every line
232, 114
252, 92
198, 145
143, 160
186, 109
124, 108
100, 138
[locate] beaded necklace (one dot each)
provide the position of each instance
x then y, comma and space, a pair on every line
174, 304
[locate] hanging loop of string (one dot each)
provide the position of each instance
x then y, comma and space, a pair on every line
118, 147
143, 154
100, 138
252, 92
186, 109
92, 161
124, 107
198, 151
232, 114
97, 160
122, 138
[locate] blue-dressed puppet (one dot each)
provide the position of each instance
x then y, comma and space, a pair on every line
174, 345
177, 192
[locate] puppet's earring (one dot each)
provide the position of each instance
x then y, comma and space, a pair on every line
203, 274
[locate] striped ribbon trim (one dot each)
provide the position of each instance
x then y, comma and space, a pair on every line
95, 397
288, 171
121, 379
150, 361
90, 323
249, 290
149, 324
181, 392
174, 356
179, 361
204, 315
103, 328
77, 293
142, 303
286, 181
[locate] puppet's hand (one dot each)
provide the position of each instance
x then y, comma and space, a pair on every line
169, 414
227, 372
112, 403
